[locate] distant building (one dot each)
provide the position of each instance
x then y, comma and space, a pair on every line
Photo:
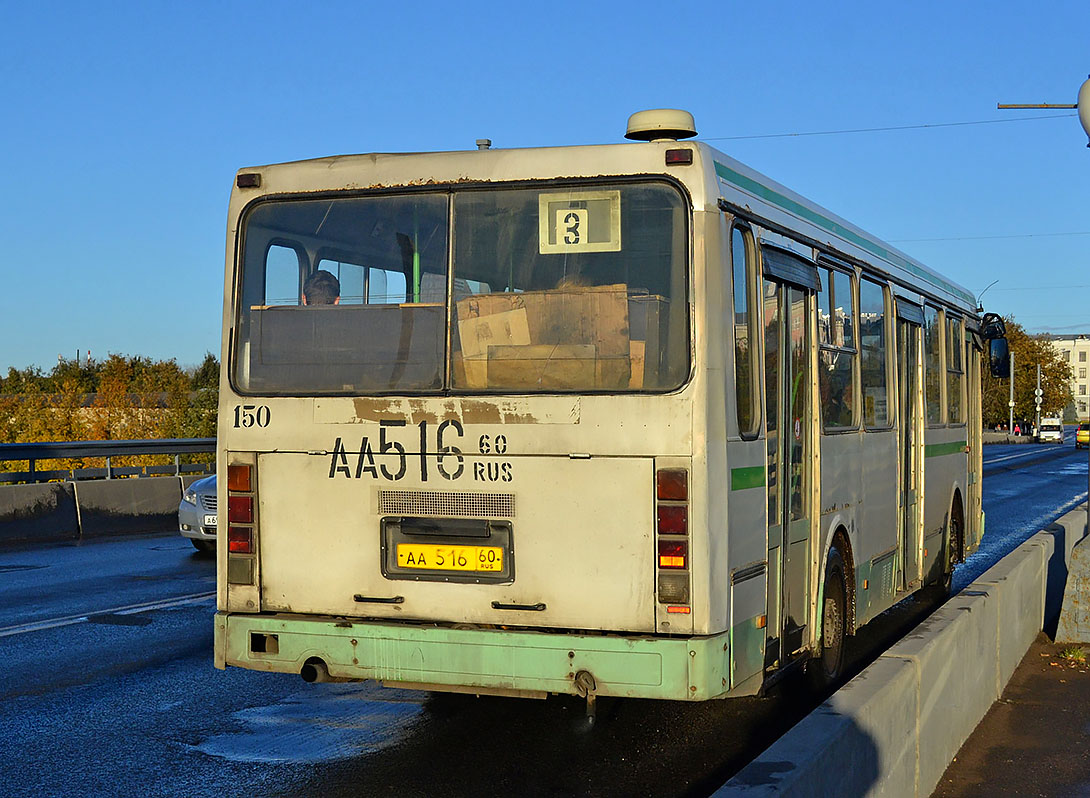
1075, 351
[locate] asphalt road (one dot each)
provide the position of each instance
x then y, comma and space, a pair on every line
107, 688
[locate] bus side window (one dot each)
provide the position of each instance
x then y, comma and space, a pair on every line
836, 360
743, 259
955, 371
932, 364
283, 271
385, 287
351, 277
875, 374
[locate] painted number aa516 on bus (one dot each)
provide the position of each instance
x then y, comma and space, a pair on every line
444, 459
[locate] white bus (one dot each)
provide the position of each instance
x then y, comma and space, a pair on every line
623, 420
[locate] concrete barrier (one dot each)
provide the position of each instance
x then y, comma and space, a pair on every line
53, 511
119, 506
1067, 531
1005, 437
1074, 620
894, 728
38, 512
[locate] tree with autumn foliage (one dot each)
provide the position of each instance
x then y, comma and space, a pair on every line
1029, 351
120, 398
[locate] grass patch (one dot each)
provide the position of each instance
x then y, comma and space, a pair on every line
1074, 654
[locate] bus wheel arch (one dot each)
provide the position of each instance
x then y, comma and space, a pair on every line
835, 613
953, 551
841, 542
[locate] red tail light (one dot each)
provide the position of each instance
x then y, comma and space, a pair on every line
238, 478
673, 519
672, 545
673, 553
672, 484
240, 539
241, 532
240, 509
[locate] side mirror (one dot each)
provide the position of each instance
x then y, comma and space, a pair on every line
1000, 357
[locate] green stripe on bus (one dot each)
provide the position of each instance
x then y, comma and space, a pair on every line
797, 208
942, 449
744, 478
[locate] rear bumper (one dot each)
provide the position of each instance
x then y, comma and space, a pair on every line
488, 660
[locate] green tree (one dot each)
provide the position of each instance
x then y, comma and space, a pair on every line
23, 381
1029, 351
207, 374
83, 376
203, 404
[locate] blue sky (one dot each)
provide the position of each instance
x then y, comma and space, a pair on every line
124, 124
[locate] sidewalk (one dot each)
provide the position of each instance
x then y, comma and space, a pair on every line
1035, 740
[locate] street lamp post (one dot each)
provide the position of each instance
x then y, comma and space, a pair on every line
1037, 394
1010, 404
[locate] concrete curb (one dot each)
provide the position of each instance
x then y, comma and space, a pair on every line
894, 728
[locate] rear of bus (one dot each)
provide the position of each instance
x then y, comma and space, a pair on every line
474, 472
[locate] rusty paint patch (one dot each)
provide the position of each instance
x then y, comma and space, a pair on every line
421, 410
499, 410
376, 409
478, 412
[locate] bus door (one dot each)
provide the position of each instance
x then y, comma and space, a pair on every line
788, 417
973, 523
910, 443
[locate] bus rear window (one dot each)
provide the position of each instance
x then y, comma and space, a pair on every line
386, 330
548, 290
581, 289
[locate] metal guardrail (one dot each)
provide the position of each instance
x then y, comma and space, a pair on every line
57, 450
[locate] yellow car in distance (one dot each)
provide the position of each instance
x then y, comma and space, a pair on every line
1082, 435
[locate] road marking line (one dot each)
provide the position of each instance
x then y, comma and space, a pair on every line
130, 609
1017, 456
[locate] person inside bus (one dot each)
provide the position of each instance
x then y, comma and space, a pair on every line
322, 288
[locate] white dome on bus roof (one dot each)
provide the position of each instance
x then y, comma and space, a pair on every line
660, 124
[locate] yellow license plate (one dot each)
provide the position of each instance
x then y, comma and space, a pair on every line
449, 558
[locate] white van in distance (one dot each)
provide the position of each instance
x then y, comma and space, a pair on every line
1051, 430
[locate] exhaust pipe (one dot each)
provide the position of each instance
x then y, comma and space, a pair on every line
314, 670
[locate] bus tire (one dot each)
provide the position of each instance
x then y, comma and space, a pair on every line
939, 590
828, 665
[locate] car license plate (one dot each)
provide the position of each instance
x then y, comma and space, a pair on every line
210, 520
449, 558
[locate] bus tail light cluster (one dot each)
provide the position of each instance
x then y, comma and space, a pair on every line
241, 498
672, 538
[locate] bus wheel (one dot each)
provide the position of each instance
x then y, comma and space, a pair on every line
937, 592
828, 666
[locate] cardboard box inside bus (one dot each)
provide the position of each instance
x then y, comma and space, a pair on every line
598, 338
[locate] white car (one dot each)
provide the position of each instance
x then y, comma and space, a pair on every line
197, 518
